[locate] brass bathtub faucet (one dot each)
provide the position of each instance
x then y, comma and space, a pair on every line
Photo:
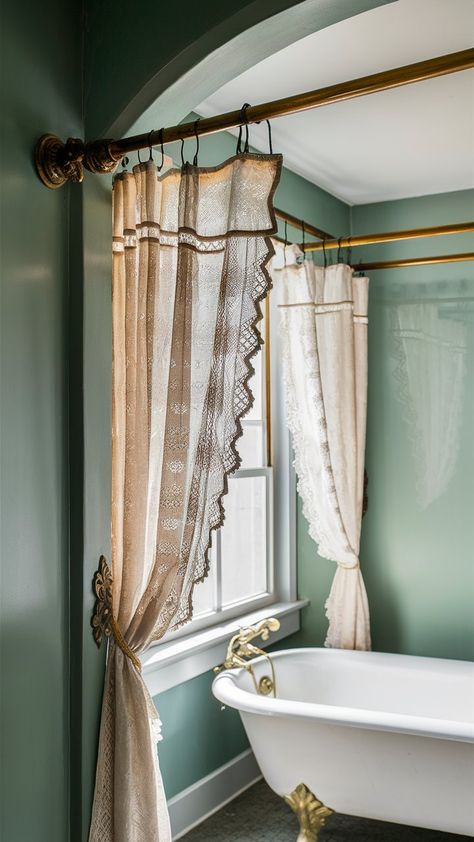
240, 650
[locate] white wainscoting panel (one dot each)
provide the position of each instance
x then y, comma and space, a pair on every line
199, 801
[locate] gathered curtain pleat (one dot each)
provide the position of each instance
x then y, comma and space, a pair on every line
190, 251
323, 330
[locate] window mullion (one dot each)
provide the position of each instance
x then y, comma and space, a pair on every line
218, 570
266, 385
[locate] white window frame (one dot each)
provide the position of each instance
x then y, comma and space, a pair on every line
201, 643
222, 614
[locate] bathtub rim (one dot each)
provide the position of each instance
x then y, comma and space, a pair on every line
225, 689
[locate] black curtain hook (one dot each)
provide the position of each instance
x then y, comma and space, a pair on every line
270, 145
239, 141
303, 244
286, 233
150, 146
243, 122
125, 161
349, 251
324, 254
195, 159
182, 152
162, 150
139, 159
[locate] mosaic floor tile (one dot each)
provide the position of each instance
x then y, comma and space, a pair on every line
258, 815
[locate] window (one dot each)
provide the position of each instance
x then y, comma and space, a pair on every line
246, 572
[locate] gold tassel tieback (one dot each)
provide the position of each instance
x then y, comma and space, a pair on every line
103, 621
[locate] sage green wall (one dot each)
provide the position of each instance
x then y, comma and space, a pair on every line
40, 91
199, 737
417, 564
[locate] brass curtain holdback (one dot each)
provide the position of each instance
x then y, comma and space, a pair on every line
103, 621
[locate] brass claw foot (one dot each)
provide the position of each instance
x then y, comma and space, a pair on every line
311, 812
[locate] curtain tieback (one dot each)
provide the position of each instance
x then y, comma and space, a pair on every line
355, 566
103, 621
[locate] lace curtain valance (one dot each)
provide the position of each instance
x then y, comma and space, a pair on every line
189, 269
323, 326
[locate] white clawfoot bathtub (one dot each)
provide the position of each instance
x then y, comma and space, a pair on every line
386, 737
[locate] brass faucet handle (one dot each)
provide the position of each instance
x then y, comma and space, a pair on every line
240, 646
272, 624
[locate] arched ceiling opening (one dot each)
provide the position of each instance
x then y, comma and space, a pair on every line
156, 75
410, 141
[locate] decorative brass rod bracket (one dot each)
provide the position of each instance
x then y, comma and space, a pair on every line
58, 162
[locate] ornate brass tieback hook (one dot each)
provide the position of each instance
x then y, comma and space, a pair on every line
103, 621
241, 648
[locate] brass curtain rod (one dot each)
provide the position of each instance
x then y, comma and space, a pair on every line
391, 236
295, 222
57, 163
414, 261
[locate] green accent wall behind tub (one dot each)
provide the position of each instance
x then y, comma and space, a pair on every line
198, 736
419, 533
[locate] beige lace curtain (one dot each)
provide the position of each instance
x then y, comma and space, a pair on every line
189, 270
323, 329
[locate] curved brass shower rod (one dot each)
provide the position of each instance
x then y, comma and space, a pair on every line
58, 162
461, 257
390, 236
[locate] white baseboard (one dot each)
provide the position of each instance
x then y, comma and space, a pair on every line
199, 801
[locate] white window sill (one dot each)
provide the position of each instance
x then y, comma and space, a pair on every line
169, 664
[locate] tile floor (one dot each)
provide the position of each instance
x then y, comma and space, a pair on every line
258, 815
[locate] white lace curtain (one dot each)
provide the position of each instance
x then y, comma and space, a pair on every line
189, 257
323, 327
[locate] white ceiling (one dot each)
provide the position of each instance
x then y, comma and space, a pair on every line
409, 141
